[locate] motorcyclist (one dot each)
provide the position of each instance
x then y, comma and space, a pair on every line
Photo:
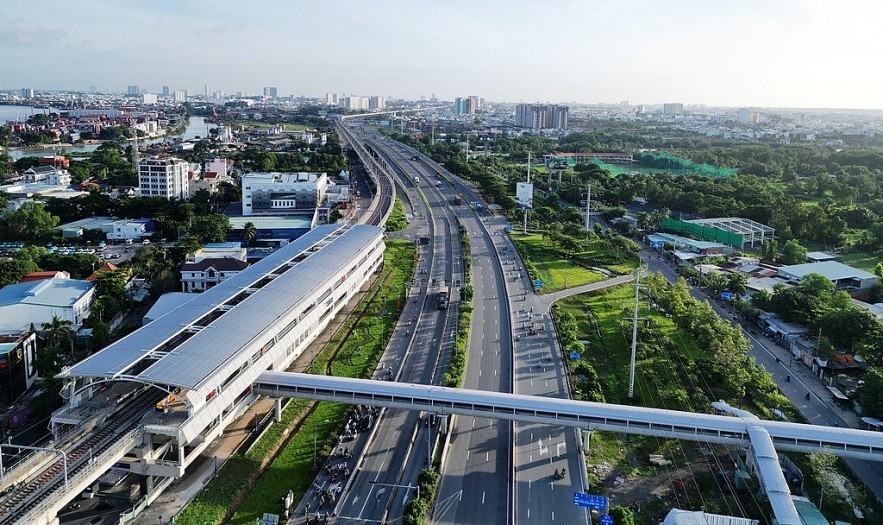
556, 473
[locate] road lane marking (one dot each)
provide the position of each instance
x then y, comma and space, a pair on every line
483, 494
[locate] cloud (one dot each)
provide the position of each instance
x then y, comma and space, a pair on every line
17, 32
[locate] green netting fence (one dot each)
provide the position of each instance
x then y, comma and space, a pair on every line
699, 231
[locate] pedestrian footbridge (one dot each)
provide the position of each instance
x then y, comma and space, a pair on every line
763, 438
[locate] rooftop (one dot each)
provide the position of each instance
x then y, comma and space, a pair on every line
186, 346
47, 292
272, 222
670, 237
832, 270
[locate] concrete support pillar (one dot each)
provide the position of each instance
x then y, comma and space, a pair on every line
587, 437
443, 424
278, 417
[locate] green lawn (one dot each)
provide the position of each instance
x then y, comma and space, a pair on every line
293, 467
862, 260
397, 220
548, 263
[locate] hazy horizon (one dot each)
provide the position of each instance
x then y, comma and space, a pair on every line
783, 54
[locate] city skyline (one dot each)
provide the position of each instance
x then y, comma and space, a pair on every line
780, 54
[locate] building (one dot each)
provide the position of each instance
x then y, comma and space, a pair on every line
164, 177
199, 276
219, 166
18, 370
166, 91
753, 234
47, 175
37, 302
673, 108
376, 102
49, 274
133, 90
211, 351
165, 304
748, 116
179, 96
464, 106
331, 99
541, 116
699, 517
282, 193
148, 98
131, 229
26, 93
842, 276
271, 92
354, 102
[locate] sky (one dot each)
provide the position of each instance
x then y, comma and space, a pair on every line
763, 53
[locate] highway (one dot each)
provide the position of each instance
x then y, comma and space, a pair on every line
390, 455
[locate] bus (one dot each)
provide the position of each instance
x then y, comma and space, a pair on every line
443, 297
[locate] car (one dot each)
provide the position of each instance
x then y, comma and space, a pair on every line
145, 241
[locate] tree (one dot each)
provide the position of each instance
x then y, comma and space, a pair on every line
249, 232
211, 228
12, 270
872, 392
793, 253
31, 221
770, 251
58, 334
622, 515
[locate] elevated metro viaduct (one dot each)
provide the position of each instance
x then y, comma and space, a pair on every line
204, 356
762, 438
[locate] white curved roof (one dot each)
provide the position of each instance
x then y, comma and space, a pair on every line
152, 355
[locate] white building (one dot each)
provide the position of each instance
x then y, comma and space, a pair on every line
47, 175
129, 229
280, 193
148, 98
164, 177
208, 272
37, 302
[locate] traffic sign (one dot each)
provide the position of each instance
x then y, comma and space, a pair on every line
538, 283
508, 227
606, 519
726, 296
656, 244
574, 356
581, 499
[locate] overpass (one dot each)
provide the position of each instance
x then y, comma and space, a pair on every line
763, 438
392, 112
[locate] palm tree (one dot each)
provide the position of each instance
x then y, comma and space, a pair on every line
57, 333
249, 232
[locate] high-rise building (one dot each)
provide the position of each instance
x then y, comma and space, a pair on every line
26, 93
179, 96
148, 98
166, 91
271, 92
376, 102
433, 99
354, 102
748, 116
541, 116
208, 91
164, 177
133, 90
672, 108
331, 99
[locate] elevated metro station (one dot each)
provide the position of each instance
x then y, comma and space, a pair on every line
190, 372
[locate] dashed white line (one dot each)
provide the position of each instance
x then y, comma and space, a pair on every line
483, 494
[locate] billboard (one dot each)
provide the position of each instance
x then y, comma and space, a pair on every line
524, 194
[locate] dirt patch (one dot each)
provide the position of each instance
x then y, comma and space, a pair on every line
630, 490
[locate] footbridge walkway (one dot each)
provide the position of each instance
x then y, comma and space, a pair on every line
763, 438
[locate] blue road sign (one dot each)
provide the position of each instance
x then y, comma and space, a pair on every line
656, 244
508, 227
726, 296
538, 283
574, 356
591, 501
606, 519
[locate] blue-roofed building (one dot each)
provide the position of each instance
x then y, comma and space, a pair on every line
37, 302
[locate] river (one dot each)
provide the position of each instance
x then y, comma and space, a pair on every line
197, 127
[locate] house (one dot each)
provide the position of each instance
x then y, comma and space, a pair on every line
205, 274
37, 302
47, 175
131, 229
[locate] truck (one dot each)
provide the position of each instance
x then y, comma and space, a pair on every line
443, 298
457, 200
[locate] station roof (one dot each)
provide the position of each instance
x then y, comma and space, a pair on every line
162, 358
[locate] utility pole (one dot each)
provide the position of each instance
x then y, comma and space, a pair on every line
634, 336
588, 207
524, 225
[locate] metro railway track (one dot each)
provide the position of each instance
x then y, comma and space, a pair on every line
27, 496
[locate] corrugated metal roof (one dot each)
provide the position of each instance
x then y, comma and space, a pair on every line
194, 360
